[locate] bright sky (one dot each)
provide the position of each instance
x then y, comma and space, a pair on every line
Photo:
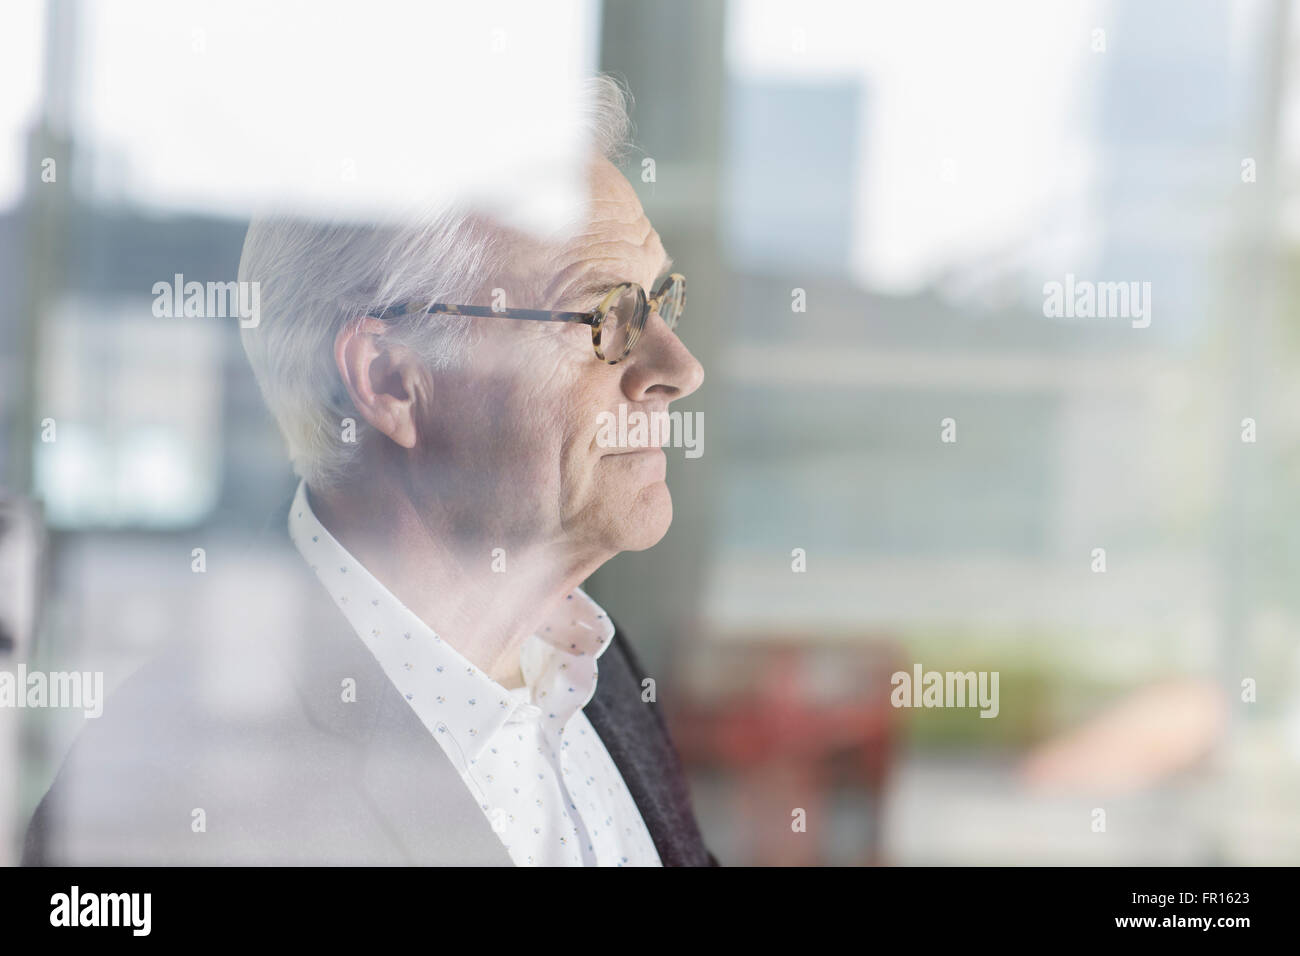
338, 107
975, 117
20, 74
970, 127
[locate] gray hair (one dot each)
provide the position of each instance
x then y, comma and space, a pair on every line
315, 277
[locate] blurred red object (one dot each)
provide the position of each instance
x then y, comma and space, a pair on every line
799, 720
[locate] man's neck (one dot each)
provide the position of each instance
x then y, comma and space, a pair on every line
484, 613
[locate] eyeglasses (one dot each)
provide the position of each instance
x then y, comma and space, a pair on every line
616, 324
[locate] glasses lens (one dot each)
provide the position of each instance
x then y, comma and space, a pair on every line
672, 300
622, 323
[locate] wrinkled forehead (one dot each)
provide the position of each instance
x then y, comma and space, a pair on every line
608, 236
611, 225
608, 210
608, 189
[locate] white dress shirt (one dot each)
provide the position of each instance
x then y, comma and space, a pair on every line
530, 757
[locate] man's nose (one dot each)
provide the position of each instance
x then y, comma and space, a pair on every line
660, 365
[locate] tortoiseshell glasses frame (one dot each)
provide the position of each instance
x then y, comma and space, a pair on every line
613, 330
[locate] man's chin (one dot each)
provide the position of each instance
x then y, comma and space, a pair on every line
648, 522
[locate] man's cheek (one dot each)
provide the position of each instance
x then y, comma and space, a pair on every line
577, 468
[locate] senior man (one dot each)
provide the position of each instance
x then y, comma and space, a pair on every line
440, 689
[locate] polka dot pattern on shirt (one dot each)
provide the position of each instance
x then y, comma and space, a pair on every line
551, 804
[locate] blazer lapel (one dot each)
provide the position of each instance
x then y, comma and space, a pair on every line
637, 740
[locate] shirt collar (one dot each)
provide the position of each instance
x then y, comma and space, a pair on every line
449, 693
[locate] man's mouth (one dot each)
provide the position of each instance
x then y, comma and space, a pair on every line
648, 450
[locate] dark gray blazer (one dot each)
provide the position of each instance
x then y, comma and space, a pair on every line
240, 749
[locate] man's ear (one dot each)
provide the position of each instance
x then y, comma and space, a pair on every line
384, 379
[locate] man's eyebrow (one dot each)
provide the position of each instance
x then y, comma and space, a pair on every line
591, 285
599, 283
